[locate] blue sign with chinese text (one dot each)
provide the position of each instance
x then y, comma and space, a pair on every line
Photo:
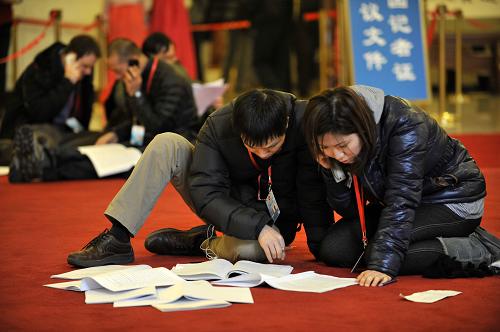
387, 46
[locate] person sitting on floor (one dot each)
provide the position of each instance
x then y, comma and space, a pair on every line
148, 98
55, 93
425, 192
159, 45
250, 150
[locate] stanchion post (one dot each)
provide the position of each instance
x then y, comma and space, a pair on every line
442, 59
57, 14
14, 35
344, 78
101, 39
323, 46
458, 57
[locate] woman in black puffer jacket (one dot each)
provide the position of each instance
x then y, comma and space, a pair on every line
425, 193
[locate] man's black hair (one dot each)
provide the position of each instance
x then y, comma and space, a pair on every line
124, 48
155, 43
83, 45
260, 115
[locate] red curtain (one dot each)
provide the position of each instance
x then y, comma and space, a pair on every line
171, 18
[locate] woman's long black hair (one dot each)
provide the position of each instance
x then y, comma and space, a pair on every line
340, 111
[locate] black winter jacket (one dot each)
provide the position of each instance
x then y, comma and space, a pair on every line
223, 181
42, 91
168, 106
415, 162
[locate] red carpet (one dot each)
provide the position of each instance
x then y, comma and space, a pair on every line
41, 223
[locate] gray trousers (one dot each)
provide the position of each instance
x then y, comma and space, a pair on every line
167, 159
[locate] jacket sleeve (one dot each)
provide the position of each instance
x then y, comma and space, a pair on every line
316, 215
403, 191
210, 188
158, 112
42, 104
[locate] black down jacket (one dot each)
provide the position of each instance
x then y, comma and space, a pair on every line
415, 162
223, 181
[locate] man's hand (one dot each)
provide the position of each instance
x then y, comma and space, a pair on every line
372, 278
132, 80
107, 138
72, 70
272, 243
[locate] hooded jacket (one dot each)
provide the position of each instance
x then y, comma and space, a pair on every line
414, 162
223, 180
42, 91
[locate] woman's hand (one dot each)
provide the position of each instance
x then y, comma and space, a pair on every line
372, 278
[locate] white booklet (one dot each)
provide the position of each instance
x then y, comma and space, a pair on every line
217, 269
192, 290
110, 159
185, 304
101, 295
124, 279
206, 94
93, 271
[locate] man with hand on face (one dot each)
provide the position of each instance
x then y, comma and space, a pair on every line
55, 92
148, 98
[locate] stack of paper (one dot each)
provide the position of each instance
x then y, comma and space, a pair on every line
110, 159
139, 285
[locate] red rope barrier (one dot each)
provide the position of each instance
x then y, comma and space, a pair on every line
314, 16
235, 25
30, 45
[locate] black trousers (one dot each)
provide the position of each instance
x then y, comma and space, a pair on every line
342, 245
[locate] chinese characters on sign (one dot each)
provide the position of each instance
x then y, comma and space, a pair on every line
387, 46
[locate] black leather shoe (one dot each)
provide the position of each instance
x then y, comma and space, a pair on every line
28, 156
171, 241
105, 249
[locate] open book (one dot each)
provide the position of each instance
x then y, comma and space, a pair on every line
121, 280
110, 159
217, 269
190, 290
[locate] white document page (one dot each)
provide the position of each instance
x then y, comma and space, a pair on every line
309, 282
93, 271
102, 295
75, 285
109, 159
185, 304
274, 270
430, 296
125, 280
242, 280
205, 291
206, 94
213, 269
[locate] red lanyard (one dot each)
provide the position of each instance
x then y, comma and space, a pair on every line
151, 74
269, 172
361, 209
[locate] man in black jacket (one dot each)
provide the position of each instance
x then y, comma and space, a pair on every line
55, 92
148, 98
248, 153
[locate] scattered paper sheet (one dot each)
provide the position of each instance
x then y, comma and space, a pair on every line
93, 271
110, 159
430, 296
206, 94
98, 296
310, 282
4, 170
193, 290
185, 304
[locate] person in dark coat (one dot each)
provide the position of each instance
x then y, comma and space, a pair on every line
55, 87
148, 96
249, 151
425, 192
